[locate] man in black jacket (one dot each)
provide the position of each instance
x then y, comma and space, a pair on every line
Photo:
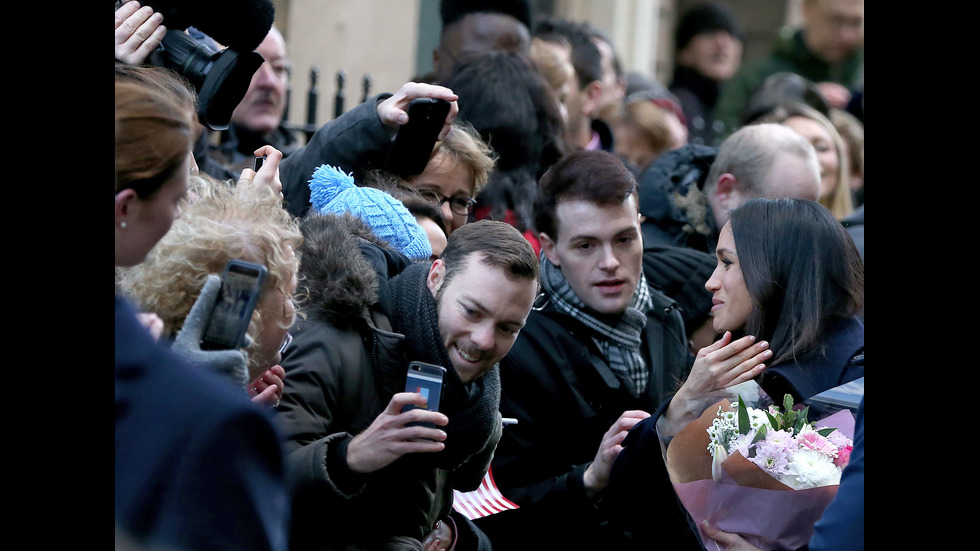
599, 351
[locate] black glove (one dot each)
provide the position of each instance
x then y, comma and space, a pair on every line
230, 363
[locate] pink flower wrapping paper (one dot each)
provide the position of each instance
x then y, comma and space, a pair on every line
747, 501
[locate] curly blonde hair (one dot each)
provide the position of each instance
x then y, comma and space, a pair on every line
218, 222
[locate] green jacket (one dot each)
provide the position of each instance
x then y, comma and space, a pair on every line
789, 54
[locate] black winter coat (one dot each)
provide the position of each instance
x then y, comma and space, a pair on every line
558, 385
355, 142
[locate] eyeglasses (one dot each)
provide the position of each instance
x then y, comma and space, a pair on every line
459, 205
285, 342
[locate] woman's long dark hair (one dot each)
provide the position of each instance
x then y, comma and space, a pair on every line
802, 270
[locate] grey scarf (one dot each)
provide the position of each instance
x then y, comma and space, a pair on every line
618, 335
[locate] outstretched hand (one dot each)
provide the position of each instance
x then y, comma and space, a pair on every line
267, 388
718, 366
139, 30
230, 363
393, 110
388, 437
596, 476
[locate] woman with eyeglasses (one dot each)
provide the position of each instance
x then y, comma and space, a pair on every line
219, 223
456, 173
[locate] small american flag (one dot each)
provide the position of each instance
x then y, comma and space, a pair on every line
484, 501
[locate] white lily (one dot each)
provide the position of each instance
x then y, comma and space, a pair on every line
720, 454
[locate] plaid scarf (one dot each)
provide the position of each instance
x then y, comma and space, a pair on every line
617, 335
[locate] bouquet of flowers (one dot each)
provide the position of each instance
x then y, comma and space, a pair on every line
784, 444
764, 473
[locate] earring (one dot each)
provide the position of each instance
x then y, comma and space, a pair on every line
122, 225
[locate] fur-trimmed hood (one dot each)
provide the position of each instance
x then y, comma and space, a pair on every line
338, 276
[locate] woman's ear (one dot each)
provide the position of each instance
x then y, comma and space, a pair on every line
124, 206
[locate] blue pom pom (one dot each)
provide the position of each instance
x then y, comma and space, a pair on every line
327, 183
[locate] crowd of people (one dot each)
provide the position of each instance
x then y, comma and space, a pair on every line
590, 257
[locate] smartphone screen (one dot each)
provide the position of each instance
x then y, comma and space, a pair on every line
426, 379
417, 137
228, 322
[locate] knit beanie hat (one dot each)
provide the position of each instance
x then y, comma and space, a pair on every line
705, 18
680, 273
333, 191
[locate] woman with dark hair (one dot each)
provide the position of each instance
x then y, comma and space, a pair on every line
516, 112
788, 274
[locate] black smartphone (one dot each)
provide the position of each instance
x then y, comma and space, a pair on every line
426, 379
228, 321
416, 138
257, 164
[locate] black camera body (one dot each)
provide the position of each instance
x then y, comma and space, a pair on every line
220, 76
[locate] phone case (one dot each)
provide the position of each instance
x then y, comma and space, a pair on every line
427, 380
241, 283
416, 138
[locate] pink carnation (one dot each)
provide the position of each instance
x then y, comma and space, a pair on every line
843, 456
811, 439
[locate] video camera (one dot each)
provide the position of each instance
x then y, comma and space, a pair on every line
220, 76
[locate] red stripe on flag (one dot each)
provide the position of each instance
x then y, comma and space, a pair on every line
484, 501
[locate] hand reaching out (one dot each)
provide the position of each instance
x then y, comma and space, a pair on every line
139, 30
392, 110
267, 388
388, 437
596, 476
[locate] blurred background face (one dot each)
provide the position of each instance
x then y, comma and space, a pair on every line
476, 33
278, 312
823, 143
716, 55
437, 237
265, 101
613, 88
834, 28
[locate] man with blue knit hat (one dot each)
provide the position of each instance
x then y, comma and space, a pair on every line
362, 477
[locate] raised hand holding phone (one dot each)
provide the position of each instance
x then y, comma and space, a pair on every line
417, 137
241, 284
264, 171
232, 363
